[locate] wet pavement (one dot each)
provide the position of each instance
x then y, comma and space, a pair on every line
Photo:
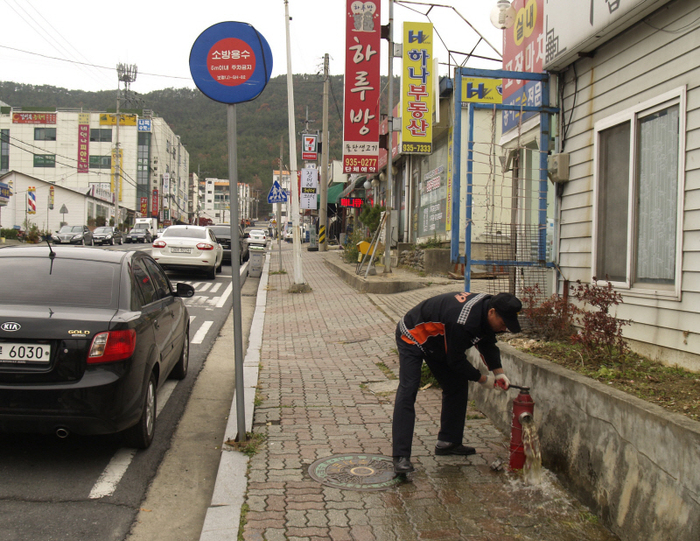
327, 374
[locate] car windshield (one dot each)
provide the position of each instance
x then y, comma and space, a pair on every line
57, 282
186, 232
71, 229
103, 230
221, 231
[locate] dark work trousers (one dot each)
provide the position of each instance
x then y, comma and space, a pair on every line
454, 397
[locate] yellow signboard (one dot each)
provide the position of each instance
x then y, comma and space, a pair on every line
482, 90
107, 119
417, 92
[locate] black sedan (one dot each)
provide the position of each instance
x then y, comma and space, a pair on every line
107, 235
87, 343
139, 234
222, 232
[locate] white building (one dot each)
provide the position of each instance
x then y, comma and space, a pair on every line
76, 149
216, 201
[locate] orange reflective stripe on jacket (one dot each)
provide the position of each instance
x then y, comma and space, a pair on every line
423, 331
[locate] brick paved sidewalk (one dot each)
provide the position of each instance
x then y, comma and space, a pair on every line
322, 355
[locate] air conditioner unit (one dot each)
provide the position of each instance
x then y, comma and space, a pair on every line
155, 160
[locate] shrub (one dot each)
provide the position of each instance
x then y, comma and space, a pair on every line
370, 216
600, 331
551, 318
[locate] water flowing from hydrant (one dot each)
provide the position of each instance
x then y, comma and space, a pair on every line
532, 469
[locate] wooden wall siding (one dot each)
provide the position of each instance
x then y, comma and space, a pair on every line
638, 65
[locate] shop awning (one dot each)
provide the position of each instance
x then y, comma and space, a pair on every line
334, 191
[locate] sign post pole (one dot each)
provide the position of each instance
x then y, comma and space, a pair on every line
231, 62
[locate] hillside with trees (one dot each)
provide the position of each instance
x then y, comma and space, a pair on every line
201, 122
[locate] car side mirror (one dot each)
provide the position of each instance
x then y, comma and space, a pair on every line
184, 290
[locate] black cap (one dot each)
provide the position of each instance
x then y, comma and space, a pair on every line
507, 306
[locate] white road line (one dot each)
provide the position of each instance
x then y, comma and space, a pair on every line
227, 292
112, 474
204, 287
192, 318
201, 332
107, 483
216, 287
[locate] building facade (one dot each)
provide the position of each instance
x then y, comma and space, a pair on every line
78, 150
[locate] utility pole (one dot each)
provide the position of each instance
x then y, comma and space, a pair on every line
279, 209
126, 74
323, 211
298, 284
389, 139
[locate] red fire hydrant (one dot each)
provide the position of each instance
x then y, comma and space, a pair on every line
523, 410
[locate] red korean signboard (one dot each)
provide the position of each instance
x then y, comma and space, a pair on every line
144, 206
34, 118
362, 86
154, 204
83, 148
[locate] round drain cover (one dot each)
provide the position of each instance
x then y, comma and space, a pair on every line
355, 472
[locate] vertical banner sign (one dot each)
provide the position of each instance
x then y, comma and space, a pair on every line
51, 197
309, 145
144, 206
166, 190
83, 142
154, 204
309, 186
524, 50
362, 86
31, 200
417, 92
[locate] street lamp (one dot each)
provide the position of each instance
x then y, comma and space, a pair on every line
502, 15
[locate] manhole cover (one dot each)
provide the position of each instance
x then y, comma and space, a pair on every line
356, 472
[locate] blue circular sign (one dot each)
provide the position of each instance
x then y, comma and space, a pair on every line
231, 62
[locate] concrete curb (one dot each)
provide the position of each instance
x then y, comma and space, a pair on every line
224, 514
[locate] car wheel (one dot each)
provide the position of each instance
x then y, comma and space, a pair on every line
211, 273
140, 435
82, 241
219, 268
112, 241
180, 369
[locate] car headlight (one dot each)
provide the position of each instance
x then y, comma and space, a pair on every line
77, 237
108, 237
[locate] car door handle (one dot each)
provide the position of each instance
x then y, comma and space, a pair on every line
156, 324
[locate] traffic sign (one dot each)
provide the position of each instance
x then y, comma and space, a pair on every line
277, 194
231, 62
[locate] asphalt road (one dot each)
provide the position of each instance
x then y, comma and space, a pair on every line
92, 488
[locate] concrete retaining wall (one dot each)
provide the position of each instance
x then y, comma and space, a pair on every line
635, 464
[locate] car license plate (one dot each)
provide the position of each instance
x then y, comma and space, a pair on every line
181, 250
24, 353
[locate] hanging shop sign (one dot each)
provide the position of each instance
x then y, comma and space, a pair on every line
231, 62
362, 86
477, 90
107, 119
417, 92
309, 187
351, 202
83, 142
5, 194
154, 203
309, 146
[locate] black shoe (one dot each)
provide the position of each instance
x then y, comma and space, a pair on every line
447, 448
402, 464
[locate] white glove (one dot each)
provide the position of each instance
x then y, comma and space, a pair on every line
490, 381
502, 382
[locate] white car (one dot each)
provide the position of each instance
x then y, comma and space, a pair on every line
257, 237
188, 247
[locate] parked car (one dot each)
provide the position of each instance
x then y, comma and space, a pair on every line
140, 233
85, 349
222, 232
73, 234
257, 237
189, 247
107, 235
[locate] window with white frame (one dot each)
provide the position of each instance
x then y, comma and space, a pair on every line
639, 187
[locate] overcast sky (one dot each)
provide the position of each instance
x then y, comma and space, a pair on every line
76, 44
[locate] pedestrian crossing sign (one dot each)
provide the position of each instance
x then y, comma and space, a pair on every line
277, 194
